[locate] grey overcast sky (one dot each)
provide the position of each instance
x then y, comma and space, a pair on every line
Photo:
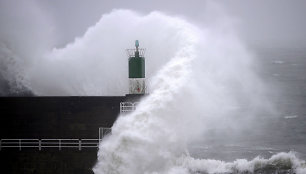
259, 21
267, 22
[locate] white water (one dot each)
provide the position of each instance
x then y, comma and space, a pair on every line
207, 84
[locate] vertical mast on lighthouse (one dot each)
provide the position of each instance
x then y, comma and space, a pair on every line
137, 83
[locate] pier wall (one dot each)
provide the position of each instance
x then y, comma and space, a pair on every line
54, 118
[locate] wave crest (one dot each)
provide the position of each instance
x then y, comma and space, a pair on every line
281, 163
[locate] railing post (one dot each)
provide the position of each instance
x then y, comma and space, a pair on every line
80, 144
39, 143
120, 107
19, 144
102, 133
99, 134
59, 144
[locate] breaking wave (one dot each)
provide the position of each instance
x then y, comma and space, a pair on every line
281, 163
208, 83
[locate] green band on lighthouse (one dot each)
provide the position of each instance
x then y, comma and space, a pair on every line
136, 67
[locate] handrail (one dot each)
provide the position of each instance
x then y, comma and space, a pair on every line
49, 143
55, 143
131, 52
103, 132
19, 139
128, 106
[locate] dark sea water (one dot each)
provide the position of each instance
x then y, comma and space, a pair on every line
283, 70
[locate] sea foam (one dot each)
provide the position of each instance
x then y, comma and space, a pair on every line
207, 76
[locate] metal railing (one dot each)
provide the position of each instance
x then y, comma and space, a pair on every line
55, 143
127, 106
103, 131
131, 52
49, 143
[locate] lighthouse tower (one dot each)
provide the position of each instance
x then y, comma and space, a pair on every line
137, 83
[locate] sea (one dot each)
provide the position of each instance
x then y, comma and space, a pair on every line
284, 70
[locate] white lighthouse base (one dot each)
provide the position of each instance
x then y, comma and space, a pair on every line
137, 86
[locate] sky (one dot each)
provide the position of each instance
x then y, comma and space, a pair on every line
273, 22
259, 22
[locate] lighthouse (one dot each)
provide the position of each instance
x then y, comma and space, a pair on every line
137, 84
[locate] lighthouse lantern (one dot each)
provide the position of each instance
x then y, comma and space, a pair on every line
136, 70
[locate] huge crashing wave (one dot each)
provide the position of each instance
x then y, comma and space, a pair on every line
200, 79
206, 84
